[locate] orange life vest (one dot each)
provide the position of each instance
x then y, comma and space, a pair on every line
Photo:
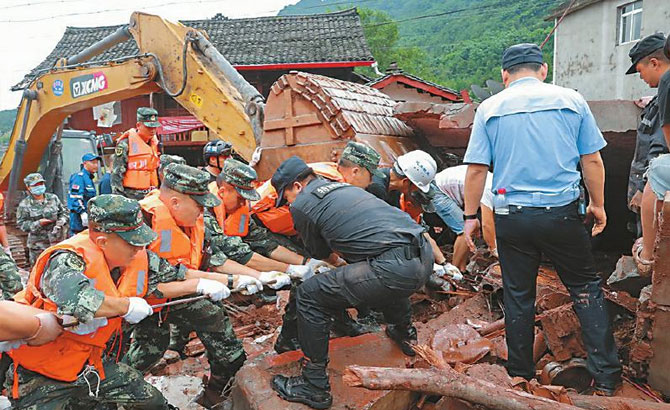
64, 358
411, 208
279, 220
143, 161
173, 243
236, 224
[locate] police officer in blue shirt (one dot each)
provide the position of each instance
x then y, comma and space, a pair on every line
81, 190
535, 134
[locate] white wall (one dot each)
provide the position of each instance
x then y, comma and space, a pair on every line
587, 57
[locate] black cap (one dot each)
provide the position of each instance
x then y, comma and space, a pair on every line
287, 173
643, 48
520, 54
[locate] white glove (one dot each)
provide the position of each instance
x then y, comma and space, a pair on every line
84, 328
10, 345
215, 290
8, 251
302, 272
84, 219
247, 285
256, 156
314, 264
448, 270
138, 309
281, 279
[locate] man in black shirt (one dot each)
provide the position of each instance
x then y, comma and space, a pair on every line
649, 61
388, 260
650, 142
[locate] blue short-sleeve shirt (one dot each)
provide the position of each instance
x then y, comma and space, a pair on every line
534, 134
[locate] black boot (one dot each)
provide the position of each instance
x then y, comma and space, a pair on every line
311, 387
286, 343
215, 390
405, 338
345, 325
370, 323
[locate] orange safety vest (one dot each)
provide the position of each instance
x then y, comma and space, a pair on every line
236, 224
279, 220
64, 358
143, 161
414, 210
173, 243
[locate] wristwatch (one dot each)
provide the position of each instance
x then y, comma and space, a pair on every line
466, 217
230, 281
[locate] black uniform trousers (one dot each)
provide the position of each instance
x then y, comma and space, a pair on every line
383, 283
558, 233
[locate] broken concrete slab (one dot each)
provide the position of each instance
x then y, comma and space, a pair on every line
461, 344
562, 333
659, 377
660, 277
180, 391
627, 278
252, 389
474, 308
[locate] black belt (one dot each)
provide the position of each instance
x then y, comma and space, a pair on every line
410, 252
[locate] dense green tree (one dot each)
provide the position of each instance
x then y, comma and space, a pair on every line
452, 42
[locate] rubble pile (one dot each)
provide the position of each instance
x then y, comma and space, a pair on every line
464, 329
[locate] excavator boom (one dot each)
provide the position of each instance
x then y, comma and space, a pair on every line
176, 59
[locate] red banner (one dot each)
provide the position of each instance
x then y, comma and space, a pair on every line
175, 125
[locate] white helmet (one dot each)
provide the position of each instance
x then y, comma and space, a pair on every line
419, 167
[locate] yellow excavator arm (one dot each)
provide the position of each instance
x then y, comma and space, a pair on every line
174, 58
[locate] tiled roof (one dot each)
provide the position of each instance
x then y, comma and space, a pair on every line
317, 38
348, 108
412, 80
579, 4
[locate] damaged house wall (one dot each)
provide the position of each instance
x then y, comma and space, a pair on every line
594, 25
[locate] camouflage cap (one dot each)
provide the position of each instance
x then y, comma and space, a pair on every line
148, 116
242, 177
362, 155
32, 179
190, 181
170, 159
110, 213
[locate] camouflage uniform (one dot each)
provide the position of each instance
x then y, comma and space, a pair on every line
147, 116
233, 247
65, 283
10, 281
207, 318
167, 160
10, 284
242, 177
30, 211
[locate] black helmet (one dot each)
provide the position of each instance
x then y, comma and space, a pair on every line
216, 148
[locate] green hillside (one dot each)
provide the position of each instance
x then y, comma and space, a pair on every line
452, 42
6, 123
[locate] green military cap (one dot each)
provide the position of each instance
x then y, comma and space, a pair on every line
362, 155
32, 179
148, 116
190, 181
242, 177
170, 159
111, 213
